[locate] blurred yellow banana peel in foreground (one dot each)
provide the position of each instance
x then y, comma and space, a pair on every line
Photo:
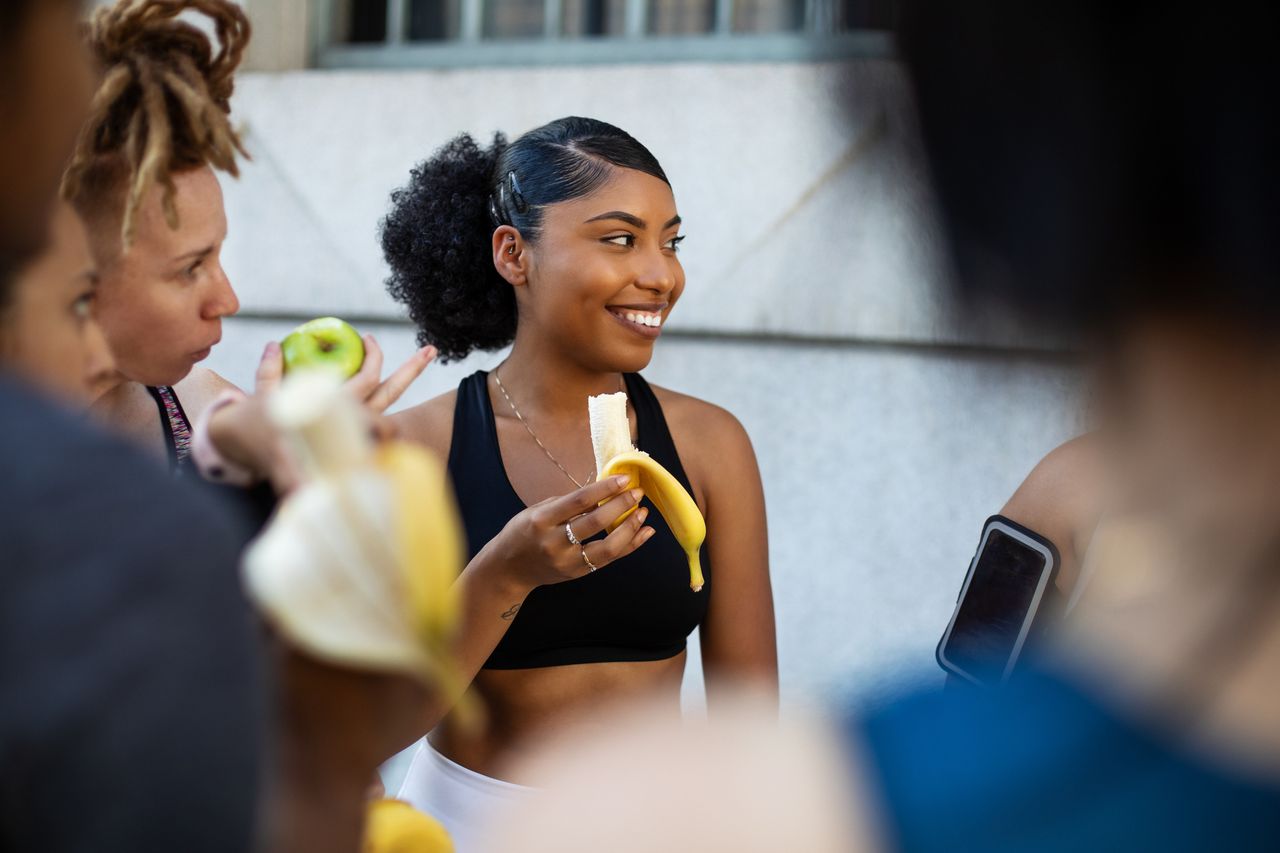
357, 567
616, 454
394, 826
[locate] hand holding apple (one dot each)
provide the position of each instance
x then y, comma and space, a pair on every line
332, 343
242, 435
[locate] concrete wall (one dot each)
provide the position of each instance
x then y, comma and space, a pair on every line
887, 429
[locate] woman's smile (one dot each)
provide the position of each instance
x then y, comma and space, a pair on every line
643, 320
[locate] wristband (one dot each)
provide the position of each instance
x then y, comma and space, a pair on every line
211, 464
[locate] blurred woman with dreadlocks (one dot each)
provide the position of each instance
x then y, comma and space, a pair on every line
143, 179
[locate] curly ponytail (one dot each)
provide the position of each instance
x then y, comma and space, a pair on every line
436, 240
438, 237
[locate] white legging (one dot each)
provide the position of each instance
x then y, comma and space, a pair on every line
463, 800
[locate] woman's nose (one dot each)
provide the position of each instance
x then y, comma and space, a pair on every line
223, 302
657, 275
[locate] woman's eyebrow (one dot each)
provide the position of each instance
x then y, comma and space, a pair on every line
198, 253
633, 220
621, 216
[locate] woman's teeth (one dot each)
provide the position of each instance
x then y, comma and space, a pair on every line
653, 321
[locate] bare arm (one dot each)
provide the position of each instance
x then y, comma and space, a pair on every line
739, 640
1060, 500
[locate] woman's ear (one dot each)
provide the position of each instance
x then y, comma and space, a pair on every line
509, 257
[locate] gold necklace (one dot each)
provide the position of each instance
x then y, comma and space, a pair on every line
520, 418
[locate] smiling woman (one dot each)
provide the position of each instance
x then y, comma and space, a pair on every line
564, 245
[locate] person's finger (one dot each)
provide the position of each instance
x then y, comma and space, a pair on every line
370, 374
574, 504
397, 383
606, 514
270, 370
629, 536
615, 545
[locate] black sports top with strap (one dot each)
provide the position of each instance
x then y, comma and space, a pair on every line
174, 422
639, 608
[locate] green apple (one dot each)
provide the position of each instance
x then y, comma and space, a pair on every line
325, 342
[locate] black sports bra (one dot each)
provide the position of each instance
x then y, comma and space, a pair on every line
639, 608
175, 423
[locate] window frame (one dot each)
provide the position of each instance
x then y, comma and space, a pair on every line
472, 50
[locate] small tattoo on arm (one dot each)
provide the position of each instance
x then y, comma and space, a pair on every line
510, 614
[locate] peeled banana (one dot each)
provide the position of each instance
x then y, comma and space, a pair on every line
616, 454
358, 565
394, 826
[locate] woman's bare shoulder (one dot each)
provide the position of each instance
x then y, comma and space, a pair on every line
200, 388
429, 423
712, 443
698, 422
1066, 471
1062, 496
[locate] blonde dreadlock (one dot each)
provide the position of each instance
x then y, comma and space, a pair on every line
163, 103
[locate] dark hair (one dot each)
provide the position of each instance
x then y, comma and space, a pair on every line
14, 21
1096, 160
437, 238
8, 274
13, 18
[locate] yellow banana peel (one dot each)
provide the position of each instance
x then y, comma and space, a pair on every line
616, 455
430, 535
394, 826
357, 567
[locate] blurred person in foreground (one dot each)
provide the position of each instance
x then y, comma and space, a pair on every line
133, 714
129, 697
48, 329
41, 105
1112, 169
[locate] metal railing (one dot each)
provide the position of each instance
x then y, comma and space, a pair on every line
820, 36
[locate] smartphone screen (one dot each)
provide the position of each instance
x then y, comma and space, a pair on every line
991, 620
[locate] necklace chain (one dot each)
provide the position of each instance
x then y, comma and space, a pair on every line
534, 435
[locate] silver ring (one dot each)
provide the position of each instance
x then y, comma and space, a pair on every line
590, 565
568, 531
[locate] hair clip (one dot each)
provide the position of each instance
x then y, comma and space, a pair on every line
516, 195
499, 210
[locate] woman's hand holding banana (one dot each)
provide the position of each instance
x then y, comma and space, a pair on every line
535, 547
